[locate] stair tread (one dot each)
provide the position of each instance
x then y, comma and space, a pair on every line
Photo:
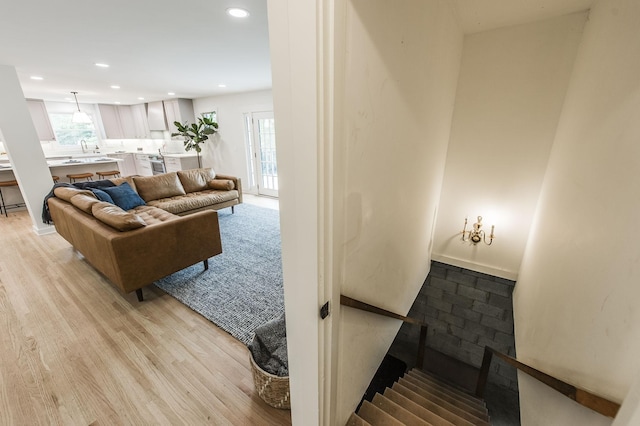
377, 417
443, 383
356, 420
417, 409
462, 411
480, 412
397, 411
450, 416
427, 384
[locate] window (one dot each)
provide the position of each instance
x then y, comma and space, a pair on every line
69, 134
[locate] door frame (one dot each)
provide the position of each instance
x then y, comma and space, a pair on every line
254, 158
254, 152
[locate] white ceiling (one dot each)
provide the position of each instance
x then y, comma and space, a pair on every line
188, 47
152, 46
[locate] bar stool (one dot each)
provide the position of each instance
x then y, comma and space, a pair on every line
112, 173
7, 184
75, 176
55, 179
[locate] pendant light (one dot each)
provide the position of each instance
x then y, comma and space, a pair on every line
79, 116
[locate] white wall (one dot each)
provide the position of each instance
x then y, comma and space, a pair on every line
512, 85
23, 147
401, 66
576, 303
226, 151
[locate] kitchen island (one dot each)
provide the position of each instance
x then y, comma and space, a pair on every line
60, 168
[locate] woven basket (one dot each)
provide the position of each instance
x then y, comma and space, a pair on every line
273, 390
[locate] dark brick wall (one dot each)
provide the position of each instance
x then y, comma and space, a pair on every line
466, 311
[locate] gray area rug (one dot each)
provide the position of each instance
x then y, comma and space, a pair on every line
243, 287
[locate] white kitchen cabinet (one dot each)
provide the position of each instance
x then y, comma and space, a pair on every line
143, 165
140, 121
180, 162
111, 123
180, 110
155, 116
124, 121
40, 119
128, 164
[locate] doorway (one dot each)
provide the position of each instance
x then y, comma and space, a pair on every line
263, 167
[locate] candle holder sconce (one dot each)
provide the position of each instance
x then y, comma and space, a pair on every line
476, 234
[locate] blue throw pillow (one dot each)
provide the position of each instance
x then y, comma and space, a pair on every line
101, 195
124, 196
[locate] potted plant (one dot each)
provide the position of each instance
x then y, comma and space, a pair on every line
196, 133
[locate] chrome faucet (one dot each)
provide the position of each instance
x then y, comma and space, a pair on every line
84, 146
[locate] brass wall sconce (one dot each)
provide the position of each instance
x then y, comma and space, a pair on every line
476, 234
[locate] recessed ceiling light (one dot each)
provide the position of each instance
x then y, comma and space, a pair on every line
117, 102
68, 99
101, 65
222, 85
236, 12
115, 86
36, 77
171, 94
141, 99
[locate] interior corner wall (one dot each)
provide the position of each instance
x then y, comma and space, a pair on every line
401, 66
577, 315
510, 93
226, 152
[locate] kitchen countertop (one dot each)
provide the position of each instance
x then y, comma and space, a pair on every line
69, 162
182, 155
82, 162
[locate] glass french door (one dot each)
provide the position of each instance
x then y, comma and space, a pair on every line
262, 149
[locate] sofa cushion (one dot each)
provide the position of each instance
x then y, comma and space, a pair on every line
194, 200
153, 215
221, 184
66, 192
119, 181
84, 202
115, 217
159, 186
124, 196
101, 195
196, 179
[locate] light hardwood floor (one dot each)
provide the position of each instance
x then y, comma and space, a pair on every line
74, 351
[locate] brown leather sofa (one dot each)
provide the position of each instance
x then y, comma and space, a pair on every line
175, 228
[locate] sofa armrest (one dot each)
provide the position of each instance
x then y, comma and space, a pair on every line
153, 252
237, 181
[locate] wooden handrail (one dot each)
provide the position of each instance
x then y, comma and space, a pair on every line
596, 403
424, 327
354, 303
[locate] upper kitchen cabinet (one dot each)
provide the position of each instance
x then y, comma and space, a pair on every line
155, 116
140, 123
41, 119
124, 121
180, 110
162, 114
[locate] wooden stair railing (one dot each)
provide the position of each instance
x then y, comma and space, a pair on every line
596, 403
357, 304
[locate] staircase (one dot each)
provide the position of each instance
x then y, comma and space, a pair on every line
419, 398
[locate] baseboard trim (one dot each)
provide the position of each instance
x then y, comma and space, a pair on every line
485, 269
